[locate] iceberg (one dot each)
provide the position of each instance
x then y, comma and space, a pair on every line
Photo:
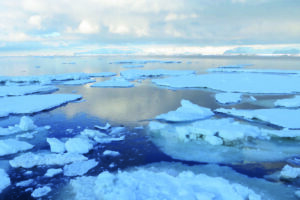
79, 168
252, 83
33, 103
53, 172
287, 118
29, 160
25, 90
4, 181
135, 74
228, 98
187, 112
12, 146
114, 82
41, 191
289, 103
56, 145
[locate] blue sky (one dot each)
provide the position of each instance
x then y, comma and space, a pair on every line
59, 25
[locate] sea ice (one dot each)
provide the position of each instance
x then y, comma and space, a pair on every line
261, 71
288, 118
12, 146
100, 137
135, 74
26, 124
53, 172
78, 145
240, 83
56, 145
238, 66
41, 191
289, 172
4, 181
114, 82
106, 127
33, 103
29, 160
187, 112
144, 62
111, 153
228, 98
79, 168
25, 183
78, 82
133, 66
24, 90
292, 102
102, 74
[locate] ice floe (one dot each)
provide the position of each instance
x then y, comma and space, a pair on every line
135, 74
290, 103
288, 118
29, 160
26, 124
228, 98
56, 145
289, 172
187, 112
114, 82
24, 90
102, 74
78, 145
33, 103
240, 83
101, 137
79, 168
12, 146
41, 191
111, 153
4, 181
53, 172
25, 183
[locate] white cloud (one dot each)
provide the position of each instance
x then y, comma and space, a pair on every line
87, 27
35, 21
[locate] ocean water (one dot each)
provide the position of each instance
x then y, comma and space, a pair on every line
131, 108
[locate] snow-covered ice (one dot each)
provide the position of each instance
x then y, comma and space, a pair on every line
187, 112
12, 146
288, 118
4, 181
78, 145
33, 103
24, 90
41, 191
228, 98
29, 160
114, 82
291, 102
53, 172
56, 145
240, 83
79, 168
111, 153
135, 74
289, 172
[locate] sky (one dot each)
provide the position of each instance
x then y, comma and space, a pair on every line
79, 25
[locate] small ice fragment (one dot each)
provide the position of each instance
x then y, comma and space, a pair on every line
107, 126
112, 165
42, 191
56, 145
93, 133
289, 172
228, 98
53, 172
26, 124
25, 183
79, 168
111, 153
12, 146
4, 181
78, 145
47, 127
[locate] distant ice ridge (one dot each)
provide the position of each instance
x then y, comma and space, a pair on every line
33, 103
4, 181
145, 62
228, 98
114, 82
135, 74
254, 83
24, 90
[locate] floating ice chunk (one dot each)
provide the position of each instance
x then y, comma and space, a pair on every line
33, 103
4, 181
93, 133
114, 82
79, 168
288, 118
42, 191
228, 98
108, 139
24, 90
102, 74
29, 160
78, 145
107, 126
289, 172
111, 153
12, 146
134, 74
187, 112
27, 124
133, 66
78, 82
25, 183
53, 172
56, 145
292, 102
239, 83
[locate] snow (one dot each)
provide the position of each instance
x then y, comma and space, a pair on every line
133, 66
24, 90
114, 82
253, 83
290, 103
135, 74
56, 145
53, 172
41, 191
78, 145
187, 112
12, 146
29, 160
289, 172
33, 103
79, 168
4, 181
228, 98
111, 153
288, 118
